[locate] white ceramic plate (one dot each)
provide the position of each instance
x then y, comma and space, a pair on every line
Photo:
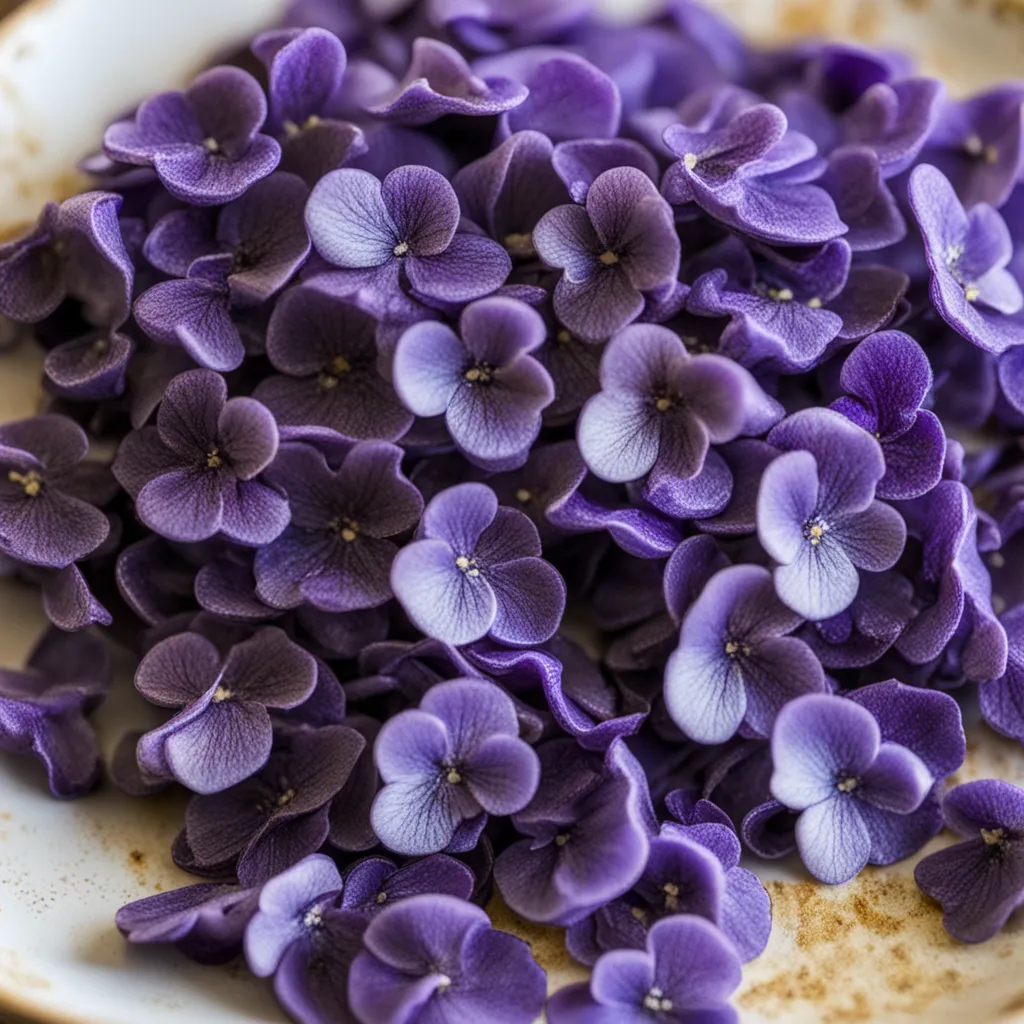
870, 951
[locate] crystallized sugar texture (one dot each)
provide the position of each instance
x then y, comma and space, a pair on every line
549, 457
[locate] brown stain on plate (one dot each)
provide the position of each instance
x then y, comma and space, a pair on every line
871, 950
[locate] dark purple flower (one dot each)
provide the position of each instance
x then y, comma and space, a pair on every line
832, 766
586, 834
272, 820
747, 171
454, 758
691, 869
979, 882
476, 570
438, 82
306, 70
863, 201
325, 352
976, 143
687, 973
435, 957
580, 162
403, 228
507, 191
204, 143
817, 515
193, 474
259, 243
374, 883
301, 937
46, 492
223, 733
611, 251
954, 587
483, 379
659, 411
43, 709
888, 377
967, 252
735, 666
93, 367
786, 314
75, 249
206, 922
568, 96
336, 553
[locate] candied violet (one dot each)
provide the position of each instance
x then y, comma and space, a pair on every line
43, 709
476, 570
611, 251
484, 381
586, 834
817, 515
659, 411
404, 228
336, 553
204, 143
735, 665
223, 733
193, 474
433, 948
687, 972
980, 881
455, 758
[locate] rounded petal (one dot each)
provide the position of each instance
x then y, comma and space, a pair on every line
897, 781
348, 222
429, 366
530, 600
178, 670
502, 774
833, 841
786, 499
619, 436
818, 740
184, 505
248, 433
820, 582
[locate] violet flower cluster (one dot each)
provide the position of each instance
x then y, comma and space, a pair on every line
539, 473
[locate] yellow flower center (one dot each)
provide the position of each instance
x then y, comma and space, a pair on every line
31, 481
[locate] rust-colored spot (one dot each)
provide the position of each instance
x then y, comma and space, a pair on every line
137, 857
874, 919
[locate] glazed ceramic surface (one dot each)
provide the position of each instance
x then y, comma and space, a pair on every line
869, 951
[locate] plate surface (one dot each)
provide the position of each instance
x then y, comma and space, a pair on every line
869, 951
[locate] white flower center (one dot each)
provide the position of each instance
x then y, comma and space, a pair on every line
657, 1001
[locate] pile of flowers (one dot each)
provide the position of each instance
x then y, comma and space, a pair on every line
550, 456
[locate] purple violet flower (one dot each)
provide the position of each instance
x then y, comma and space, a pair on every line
967, 253
658, 412
306, 70
888, 377
817, 515
439, 82
46, 491
735, 667
223, 733
404, 228
193, 474
493, 25
456, 757
691, 869
977, 144
273, 819
484, 381
585, 835
204, 143
43, 709
258, 245
303, 938
325, 352
620, 245
337, 552
979, 882
686, 973
373, 883
746, 170
205, 922
75, 249
832, 766
506, 192
476, 570
436, 957
1002, 699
